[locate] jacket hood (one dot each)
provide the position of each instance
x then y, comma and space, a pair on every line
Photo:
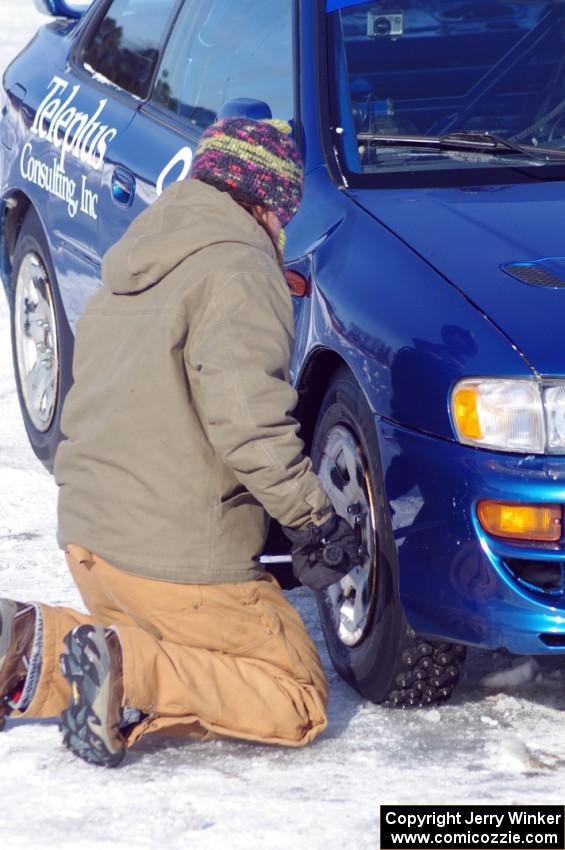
188, 217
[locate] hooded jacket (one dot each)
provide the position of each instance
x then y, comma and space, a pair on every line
179, 427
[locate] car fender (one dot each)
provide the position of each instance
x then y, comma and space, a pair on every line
404, 330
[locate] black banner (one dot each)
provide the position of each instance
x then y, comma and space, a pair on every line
470, 827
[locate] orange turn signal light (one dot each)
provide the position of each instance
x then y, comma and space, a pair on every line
466, 412
297, 284
521, 522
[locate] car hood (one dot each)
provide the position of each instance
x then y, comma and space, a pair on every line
470, 235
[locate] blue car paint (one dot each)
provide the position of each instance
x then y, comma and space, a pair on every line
432, 348
61, 7
74, 251
378, 261
447, 564
469, 233
333, 5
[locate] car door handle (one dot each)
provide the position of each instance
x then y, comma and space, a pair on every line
123, 186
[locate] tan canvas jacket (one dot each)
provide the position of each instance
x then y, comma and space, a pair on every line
179, 425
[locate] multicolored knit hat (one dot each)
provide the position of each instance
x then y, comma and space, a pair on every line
257, 162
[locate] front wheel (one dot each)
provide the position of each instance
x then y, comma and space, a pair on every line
42, 340
369, 640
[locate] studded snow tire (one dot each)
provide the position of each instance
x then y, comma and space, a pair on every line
369, 640
428, 672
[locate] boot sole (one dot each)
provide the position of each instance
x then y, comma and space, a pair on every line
82, 728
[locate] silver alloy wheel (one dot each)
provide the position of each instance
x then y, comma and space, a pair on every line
37, 352
343, 472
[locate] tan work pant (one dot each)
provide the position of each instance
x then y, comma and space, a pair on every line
200, 660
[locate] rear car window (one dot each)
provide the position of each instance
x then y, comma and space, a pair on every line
125, 48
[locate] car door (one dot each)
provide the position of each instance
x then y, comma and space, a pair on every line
218, 50
110, 71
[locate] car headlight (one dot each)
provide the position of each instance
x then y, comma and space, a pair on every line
518, 415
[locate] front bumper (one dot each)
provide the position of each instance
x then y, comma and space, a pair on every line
455, 582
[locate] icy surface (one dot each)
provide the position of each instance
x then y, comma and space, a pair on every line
503, 745
521, 672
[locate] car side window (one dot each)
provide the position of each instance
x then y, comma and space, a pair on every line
125, 47
235, 48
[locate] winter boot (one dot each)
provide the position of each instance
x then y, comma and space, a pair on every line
92, 665
17, 644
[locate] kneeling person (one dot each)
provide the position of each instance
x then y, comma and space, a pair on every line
180, 440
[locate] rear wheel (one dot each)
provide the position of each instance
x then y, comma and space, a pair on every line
369, 640
42, 341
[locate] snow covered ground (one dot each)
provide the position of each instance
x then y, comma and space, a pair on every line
504, 743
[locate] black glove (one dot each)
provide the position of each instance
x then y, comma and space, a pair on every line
323, 554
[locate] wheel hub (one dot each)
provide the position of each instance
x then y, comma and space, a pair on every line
36, 341
343, 472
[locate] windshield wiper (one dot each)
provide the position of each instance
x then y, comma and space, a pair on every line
464, 141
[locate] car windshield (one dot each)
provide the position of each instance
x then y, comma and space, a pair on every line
428, 84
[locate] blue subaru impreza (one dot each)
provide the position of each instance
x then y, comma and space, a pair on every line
427, 265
